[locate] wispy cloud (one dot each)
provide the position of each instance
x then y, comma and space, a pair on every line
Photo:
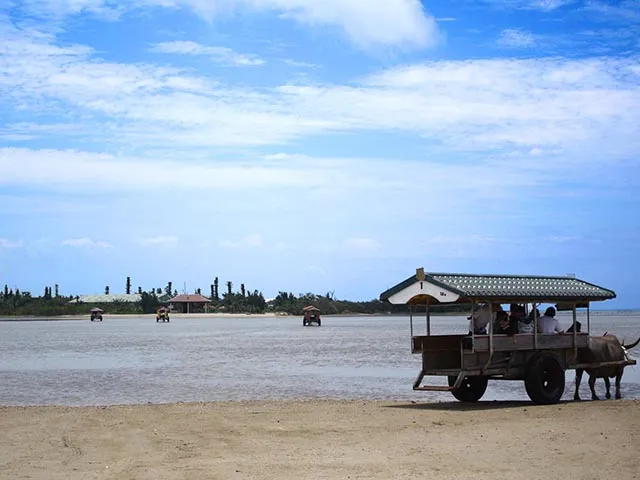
253, 240
106, 9
218, 54
85, 242
623, 10
544, 5
6, 243
472, 104
60, 170
316, 269
512, 37
563, 238
362, 244
401, 23
160, 240
297, 63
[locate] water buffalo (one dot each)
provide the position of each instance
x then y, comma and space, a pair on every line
602, 349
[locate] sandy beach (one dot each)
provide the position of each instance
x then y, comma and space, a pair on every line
288, 440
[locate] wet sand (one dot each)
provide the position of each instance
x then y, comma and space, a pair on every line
114, 316
288, 440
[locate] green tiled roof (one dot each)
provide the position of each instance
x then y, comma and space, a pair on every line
510, 287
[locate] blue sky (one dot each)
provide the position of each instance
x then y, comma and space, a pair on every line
317, 146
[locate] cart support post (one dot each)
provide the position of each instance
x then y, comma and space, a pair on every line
575, 334
428, 312
411, 324
490, 336
473, 330
535, 326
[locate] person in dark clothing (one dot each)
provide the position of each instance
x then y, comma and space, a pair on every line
504, 325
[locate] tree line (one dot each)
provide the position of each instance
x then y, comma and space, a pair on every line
241, 301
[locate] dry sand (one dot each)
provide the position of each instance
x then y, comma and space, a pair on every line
323, 440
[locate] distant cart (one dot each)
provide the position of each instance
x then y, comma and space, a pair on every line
470, 360
311, 315
96, 314
162, 315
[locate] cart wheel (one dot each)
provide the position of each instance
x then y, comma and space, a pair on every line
157, 320
544, 380
471, 389
319, 322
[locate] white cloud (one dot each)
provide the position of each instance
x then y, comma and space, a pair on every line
6, 243
544, 5
360, 244
579, 105
548, 5
85, 242
296, 63
402, 23
564, 238
160, 240
316, 269
108, 9
91, 172
621, 10
253, 240
218, 54
512, 37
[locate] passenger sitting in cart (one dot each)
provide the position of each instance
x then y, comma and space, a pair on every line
522, 322
479, 319
504, 324
548, 323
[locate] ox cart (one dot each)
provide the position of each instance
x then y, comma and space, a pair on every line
96, 314
470, 360
162, 315
310, 316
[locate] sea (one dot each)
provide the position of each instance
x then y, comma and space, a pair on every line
201, 359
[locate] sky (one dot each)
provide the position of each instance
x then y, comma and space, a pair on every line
310, 146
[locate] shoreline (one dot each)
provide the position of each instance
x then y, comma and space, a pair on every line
107, 316
323, 439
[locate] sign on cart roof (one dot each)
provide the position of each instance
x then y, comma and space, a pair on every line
462, 287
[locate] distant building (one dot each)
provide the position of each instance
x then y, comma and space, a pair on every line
111, 298
188, 303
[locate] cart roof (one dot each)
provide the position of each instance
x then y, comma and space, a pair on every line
93, 310
450, 288
310, 308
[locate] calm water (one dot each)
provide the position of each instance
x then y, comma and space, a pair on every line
129, 360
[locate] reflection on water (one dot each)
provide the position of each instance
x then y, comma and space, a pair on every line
203, 359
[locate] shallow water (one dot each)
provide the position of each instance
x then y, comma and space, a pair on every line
136, 360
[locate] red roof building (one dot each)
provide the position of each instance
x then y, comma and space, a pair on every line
189, 302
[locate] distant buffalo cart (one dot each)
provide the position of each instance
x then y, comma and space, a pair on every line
516, 345
162, 315
310, 316
96, 314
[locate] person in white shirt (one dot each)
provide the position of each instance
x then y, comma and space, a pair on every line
548, 323
479, 319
